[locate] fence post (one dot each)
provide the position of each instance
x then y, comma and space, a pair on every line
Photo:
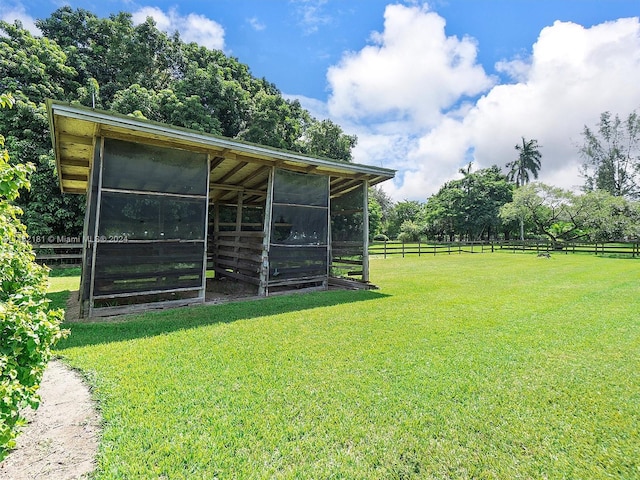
385, 249
418, 247
403, 249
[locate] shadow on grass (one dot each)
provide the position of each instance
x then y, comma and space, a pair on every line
58, 299
149, 324
64, 271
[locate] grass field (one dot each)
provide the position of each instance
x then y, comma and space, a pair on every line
495, 366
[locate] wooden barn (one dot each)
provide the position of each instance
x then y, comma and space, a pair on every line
166, 204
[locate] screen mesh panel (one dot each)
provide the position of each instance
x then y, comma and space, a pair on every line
151, 207
297, 262
133, 166
299, 226
347, 217
347, 233
139, 267
300, 189
151, 217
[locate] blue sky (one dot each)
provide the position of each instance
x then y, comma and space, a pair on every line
427, 87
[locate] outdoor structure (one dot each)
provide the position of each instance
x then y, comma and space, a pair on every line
166, 204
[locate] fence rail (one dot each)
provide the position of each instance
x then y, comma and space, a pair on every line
71, 253
391, 248
52, 253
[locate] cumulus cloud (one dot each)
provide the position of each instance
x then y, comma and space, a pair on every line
11, 13
192, 27
421, 103
411, 71
573, 75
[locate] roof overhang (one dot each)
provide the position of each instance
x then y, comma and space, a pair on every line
74, 131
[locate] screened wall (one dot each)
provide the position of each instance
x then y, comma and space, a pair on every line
298, 239
349, 233
145, 227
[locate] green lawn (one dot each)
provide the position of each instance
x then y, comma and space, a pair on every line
494, 366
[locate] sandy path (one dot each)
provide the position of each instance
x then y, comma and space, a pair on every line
61, 439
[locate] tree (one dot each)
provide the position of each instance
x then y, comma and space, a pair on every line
386, 207
407, 210
34, 69
375, 217
468, 207
612, 156
326, 139
561, 215
528, 161
544, 206
604, 217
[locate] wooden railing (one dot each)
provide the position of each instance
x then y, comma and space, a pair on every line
71, 253
52, 253
391, 248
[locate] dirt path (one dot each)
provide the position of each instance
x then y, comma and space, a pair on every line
61, 440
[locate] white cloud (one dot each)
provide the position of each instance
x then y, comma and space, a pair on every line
411, 71
256, 24
311, 15
192, 27
17, 12
404, 96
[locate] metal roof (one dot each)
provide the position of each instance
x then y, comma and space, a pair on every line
235, 165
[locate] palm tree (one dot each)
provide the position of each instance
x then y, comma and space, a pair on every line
528, 161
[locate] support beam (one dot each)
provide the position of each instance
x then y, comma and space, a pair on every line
365, 232
263, 289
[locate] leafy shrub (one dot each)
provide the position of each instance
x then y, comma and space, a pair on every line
28, 328
410, 231
381, 237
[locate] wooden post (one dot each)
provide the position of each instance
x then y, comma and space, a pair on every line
365, 232
97, 225
263, 289
238, 229
203, 292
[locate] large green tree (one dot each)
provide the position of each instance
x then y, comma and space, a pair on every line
561, 215
34, 69
611, 155
469, 207
386, 203
404, 211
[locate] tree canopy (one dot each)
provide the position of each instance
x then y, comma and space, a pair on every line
611, 156
561, 215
